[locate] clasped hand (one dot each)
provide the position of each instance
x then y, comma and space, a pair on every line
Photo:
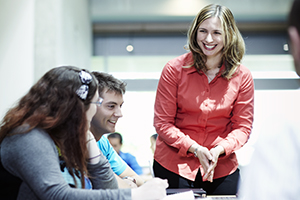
208, 159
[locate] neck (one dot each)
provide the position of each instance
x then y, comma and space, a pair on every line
213, 63
96, 132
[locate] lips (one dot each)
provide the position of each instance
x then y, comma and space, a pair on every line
113, 122
209, 47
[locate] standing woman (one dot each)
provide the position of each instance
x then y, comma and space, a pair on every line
51, 122
204, 107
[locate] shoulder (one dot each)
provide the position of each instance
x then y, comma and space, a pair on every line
244, 71
104, 145
36, 136
181, 62
19, 149
174, 68
242, 76
103, 140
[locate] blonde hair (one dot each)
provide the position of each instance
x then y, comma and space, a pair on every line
234, 46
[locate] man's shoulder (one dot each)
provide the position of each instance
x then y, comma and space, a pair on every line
104, 144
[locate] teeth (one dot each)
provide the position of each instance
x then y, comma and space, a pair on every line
112, 121
210, 47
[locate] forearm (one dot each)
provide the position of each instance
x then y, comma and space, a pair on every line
102, 175
129, 172
122, 183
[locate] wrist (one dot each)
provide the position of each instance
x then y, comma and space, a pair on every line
195, 149
130, 178
219, 149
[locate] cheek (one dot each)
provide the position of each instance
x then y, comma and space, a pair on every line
220, 40
200, 38
94, 109
91, 112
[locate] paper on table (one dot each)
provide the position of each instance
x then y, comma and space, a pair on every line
189, 195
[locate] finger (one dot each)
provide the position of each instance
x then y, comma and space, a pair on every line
163, 182
166, 184
211, 177
209, 170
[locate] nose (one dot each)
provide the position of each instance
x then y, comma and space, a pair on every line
118, 113
208, 38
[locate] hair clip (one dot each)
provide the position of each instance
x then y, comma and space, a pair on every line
85, 78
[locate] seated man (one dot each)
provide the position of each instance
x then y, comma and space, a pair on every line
111, 90
116, 141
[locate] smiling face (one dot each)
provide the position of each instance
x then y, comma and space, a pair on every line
107, 114
210, 37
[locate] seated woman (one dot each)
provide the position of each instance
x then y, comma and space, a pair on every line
49, 124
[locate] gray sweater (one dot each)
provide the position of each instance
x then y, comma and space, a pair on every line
33, 158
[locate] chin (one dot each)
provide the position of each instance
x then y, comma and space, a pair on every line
110, 130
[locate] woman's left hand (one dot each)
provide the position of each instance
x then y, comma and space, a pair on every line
215, 152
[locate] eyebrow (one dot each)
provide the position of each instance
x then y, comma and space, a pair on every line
213, 30
113, 102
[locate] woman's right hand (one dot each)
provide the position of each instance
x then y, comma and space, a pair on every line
152, 189
205, 157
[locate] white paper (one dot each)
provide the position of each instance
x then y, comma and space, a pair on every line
189, 195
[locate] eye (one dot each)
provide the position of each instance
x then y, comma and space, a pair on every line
111, 106
218, 33
202, 31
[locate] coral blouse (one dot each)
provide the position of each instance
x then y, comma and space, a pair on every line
190, 110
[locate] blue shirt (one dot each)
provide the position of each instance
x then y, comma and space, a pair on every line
117, 164
131, 162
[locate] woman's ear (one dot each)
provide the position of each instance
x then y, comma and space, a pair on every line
295, 47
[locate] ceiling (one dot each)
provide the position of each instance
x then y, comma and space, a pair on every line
175, 15
184, 10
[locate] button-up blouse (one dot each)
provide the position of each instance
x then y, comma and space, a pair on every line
189, 109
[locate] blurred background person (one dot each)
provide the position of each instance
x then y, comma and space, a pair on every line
116, 141
273, 172
153, 142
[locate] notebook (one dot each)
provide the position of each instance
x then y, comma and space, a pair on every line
198, 192
189, 195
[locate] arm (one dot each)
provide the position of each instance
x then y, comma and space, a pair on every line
165, 111
34, 159
118, 165
131, 162
242, 116
125, 183
129, 172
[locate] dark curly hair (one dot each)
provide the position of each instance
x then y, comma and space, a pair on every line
53, 105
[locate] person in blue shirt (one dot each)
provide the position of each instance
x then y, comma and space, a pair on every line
117, 164
111, 92
116, 141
